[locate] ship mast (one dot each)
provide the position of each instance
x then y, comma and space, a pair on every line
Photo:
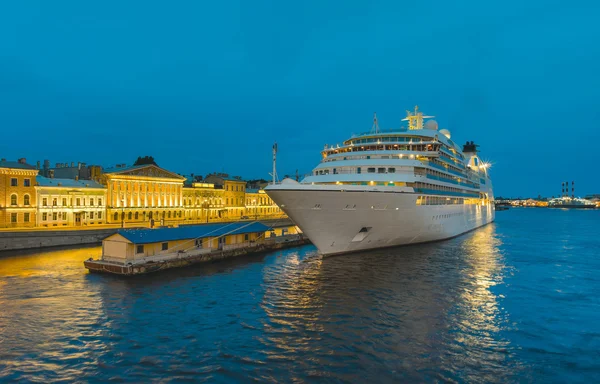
415, 119
375, 127
274, 174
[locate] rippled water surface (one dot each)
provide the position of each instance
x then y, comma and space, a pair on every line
515, 301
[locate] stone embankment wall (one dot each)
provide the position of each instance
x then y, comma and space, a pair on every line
10, 241
25, 239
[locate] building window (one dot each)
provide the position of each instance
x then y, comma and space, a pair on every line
64, 215
391, 170
14, 182
54, 202
78, 201
129, 216
358, 170
99, 201
44, 216
13, 217
380, 170
91, 201
165, 246
140, 249
54, 216
91, 215
371, 170
169, 214
137, 215
246, 237
116, 216
13, 199
64, 202
26, 200
26, 217
99, 215
27, 182
45, 201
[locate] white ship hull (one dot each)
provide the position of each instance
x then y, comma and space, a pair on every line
341, 221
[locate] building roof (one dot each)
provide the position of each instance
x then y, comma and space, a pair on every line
158, 171
125, 168
48, 182
15, 165
146, 236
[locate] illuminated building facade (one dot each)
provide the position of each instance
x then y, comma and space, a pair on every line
203, 202
69, 202
259, 204
143, 194
17, 194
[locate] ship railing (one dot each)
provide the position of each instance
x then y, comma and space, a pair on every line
442, 168
446, 180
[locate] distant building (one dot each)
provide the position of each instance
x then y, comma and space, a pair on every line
234, 189
259, 204
143, 194
68, 202
17, 194
75, 171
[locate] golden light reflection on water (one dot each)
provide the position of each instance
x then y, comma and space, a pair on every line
60, 261
48, 310
484, 262
406, 306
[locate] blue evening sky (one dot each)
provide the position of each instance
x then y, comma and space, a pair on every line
209, 86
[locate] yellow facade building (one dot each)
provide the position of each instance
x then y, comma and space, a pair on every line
260, 205
68, 202
17, 194
203, 203
134, 196
142, 195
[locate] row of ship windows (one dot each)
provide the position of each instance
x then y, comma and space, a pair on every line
447, 216
393, 139
358, 170
421, 200
435, 200
369, 157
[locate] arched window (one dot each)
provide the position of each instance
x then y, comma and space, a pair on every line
13, 199
169, 214
137, 216
26, 200
129, 216
116, 216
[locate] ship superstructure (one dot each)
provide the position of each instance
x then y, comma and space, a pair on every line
390, 187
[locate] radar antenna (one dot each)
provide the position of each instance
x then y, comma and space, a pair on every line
415, 119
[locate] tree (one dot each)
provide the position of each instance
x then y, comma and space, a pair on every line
145, 160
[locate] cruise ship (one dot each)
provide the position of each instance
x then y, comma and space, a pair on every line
387, 188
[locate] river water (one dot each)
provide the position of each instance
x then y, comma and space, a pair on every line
515, 301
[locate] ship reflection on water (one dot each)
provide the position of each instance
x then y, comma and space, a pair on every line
419, 312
